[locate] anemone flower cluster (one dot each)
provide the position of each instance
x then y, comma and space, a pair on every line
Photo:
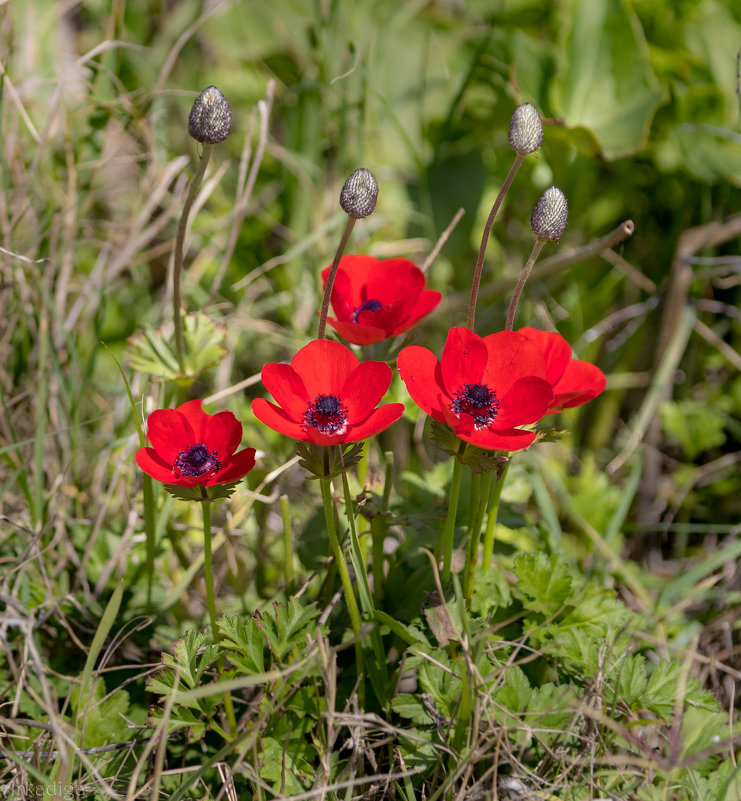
487, 388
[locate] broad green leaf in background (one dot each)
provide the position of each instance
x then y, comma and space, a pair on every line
605, 82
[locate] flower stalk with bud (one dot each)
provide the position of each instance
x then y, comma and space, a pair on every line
525, 136
209, 123
358, 200
548, 222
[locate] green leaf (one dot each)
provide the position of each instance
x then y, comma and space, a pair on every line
287, 629
545, 583
664, 686
516, 691
104, 722
605, 82
631, 680
438, 680
244, 642
200, 493
549, 710
288, 765
696, 425
412, 708
153, 351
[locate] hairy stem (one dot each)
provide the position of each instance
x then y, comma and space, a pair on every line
479, 269
349, 225
178, 256
524, 275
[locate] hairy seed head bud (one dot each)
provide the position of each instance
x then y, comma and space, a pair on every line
550, 215
525, 129
359, 194
210, 118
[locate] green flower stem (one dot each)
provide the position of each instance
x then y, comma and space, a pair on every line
208, 576
448, 529
479, 269
149, 528
377, 665
379, 527
524, 275
178, 256
481, 486
334, 544
492, 511
349, 225
287, 542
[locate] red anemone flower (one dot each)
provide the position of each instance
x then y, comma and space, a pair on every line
483, 387
192, 447
327, 396
375, 299
574, 382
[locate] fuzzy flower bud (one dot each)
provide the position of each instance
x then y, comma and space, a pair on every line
210, 118
550, 215
359, 194
525, 129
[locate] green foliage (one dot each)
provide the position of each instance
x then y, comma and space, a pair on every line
593, 657
153, 352
697, 426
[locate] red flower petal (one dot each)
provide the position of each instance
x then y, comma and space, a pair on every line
193, 412
580, 382
421, 372
393, 280
511, 357
239, 465
222, 432
357, 333
286, 386
274, 417
364, 388
153, 465
555, 349
324, 366
169, 432
526, 402
463, 360
377, 421
506, 440
397, 284
426, 302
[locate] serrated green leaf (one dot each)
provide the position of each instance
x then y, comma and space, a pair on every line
412, 708
180, 719
631, 680
546, 584
664, 685
549, 710
244, 642
440, 683
153, 351
200, 493
288, 627
515, 693
288, 765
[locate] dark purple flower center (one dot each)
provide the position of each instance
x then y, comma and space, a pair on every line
197, 460
327, 414
477, 400
369, 305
